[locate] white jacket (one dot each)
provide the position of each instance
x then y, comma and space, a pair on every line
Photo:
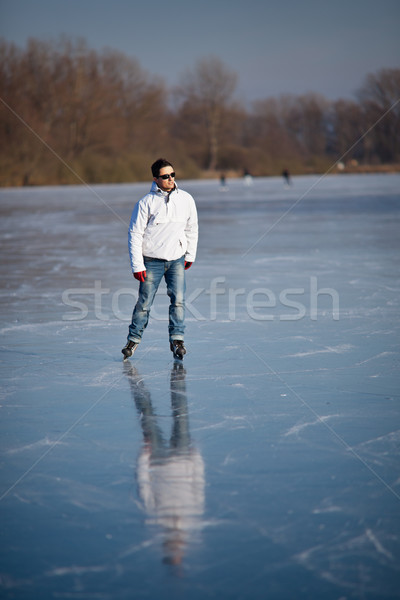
163, 226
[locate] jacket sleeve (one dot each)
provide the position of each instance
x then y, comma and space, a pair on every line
137, 228
191, 232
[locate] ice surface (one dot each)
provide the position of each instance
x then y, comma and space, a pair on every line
268, 467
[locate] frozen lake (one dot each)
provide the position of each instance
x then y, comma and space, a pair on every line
266, 467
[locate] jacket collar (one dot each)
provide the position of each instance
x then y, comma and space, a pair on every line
156, 190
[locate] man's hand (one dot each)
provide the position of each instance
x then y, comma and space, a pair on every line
187, 265
140, 275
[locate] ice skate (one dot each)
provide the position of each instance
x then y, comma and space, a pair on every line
178, 349
129, 349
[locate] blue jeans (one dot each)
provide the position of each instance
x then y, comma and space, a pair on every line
173, 272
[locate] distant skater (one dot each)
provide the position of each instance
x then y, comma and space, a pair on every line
222, 183
286, 177
247, 176
162, 236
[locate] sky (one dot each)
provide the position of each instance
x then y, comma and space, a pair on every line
274, 46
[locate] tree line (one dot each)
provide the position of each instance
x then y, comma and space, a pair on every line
69, 113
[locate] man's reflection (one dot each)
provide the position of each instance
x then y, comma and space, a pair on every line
170, 474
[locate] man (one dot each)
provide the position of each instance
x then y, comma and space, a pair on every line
162, 243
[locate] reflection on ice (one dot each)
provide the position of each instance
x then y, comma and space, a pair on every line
170, 474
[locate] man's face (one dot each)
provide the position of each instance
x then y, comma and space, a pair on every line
167, 185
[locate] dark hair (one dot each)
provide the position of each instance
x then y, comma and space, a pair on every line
159, 164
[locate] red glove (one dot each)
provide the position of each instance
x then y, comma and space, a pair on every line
140, 275
187, 265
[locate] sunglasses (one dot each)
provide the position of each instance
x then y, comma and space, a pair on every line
167, 176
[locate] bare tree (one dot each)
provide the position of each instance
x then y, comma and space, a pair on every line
380, 100
347, 127
205, 96
268, 131
94, 110
305, 119
28, 110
